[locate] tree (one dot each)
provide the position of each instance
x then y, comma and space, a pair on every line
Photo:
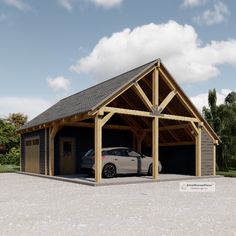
17, 119
9, 138
231, 99
223, 120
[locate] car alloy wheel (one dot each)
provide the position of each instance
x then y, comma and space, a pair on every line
109, 171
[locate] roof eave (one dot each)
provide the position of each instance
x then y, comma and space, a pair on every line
212, 132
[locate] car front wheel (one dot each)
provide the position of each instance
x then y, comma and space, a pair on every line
109, 171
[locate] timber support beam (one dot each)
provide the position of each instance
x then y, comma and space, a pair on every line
166, 101
143, 96
148, 114
155, 125
98, 148
198, 150
106, 118
53, 131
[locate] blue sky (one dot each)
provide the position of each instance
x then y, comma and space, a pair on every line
51, 49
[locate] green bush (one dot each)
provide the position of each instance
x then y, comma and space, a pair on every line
11, 158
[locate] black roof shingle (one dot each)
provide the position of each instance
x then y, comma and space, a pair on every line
88, 99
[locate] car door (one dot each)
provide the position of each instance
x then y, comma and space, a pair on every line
125, 164
136, 159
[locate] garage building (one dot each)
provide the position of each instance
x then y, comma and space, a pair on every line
143, 108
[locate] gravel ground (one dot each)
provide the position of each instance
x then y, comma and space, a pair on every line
37, 206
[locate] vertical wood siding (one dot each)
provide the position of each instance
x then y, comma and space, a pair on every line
41, 134
207, 154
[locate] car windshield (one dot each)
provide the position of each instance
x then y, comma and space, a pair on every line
89, 153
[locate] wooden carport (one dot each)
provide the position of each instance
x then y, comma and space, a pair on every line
152, 106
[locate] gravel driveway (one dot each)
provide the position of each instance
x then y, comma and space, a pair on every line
37, 206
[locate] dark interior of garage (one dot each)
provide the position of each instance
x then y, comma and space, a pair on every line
178, 159
85, 140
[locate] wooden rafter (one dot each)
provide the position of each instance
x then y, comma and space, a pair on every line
190, 132
194, 127
106, 118
59, 122
182, 100
171, 86
166, 101
173, 127
143, 96
91, 125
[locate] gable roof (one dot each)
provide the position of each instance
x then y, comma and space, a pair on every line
88, 99
92, 98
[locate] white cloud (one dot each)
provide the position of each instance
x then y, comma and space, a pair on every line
193, 3
106, 3
201, 100
19, 4
59, 83
177, 45
27, 105
67, 4
215, 16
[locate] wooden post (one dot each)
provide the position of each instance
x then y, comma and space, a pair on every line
214, 159
52, 134
155, 124
46, 151
51, 153
98, 148
198, 153
155, 147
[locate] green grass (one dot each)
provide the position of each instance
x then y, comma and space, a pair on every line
229, 173
9, 168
